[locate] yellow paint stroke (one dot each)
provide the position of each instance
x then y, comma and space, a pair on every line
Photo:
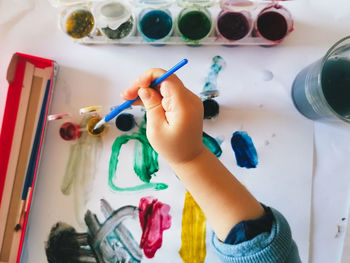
193, 248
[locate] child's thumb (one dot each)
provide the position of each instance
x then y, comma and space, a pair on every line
152, 101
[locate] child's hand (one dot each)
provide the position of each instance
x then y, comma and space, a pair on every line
174, 116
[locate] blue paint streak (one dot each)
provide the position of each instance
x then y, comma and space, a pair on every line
245, 152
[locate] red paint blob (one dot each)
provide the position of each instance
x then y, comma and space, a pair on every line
69, 131
154, 218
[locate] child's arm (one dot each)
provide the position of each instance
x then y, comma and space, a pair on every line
174, 129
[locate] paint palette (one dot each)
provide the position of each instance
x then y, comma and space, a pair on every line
159, 22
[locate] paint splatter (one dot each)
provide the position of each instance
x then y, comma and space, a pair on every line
339, 231
66, 245
212, 144
145, 161
245, 152
193, 248
211, 108
125, 122
154, 218
81, 170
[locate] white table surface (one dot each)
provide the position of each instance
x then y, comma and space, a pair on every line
30, 26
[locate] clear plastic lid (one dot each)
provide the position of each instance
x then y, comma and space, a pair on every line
154, 3
196, 3
60, 3
238, 5
111, 13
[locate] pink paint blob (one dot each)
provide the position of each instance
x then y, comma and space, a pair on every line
154, 218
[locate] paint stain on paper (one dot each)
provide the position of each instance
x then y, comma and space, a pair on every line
244, 149
66, 245
193, 248
106, 241
154, 219
111, 239
81, 170
211, 108
145, 161
212, 144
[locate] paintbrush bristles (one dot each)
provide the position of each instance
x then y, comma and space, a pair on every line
99, 124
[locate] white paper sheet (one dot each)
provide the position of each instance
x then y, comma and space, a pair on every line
346, 247
282, 179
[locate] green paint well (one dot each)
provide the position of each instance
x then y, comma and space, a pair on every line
145, 161
194, 25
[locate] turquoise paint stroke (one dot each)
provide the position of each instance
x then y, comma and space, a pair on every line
212, 144
145, 161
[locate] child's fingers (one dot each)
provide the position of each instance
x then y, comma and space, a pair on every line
153, 103
174, 93
143, 81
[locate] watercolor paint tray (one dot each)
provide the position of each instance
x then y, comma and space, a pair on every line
166, 22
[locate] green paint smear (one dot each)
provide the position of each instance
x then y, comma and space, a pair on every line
145, 161
212, 144
81, 170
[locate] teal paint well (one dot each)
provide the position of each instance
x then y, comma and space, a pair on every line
155, 24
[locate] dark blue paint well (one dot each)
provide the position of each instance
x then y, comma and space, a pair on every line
125, 122
245, 152
156, 24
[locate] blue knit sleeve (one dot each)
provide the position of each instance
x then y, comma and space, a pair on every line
268, 247
248, 229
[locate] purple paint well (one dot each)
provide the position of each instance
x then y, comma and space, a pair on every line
274, 23
233, 25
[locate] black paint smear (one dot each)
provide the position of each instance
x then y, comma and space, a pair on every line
65, 245
211, 108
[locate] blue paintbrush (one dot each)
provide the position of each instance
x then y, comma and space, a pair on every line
128, 103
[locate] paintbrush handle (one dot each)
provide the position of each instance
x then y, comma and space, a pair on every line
119, 109
128, 103
168, 73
